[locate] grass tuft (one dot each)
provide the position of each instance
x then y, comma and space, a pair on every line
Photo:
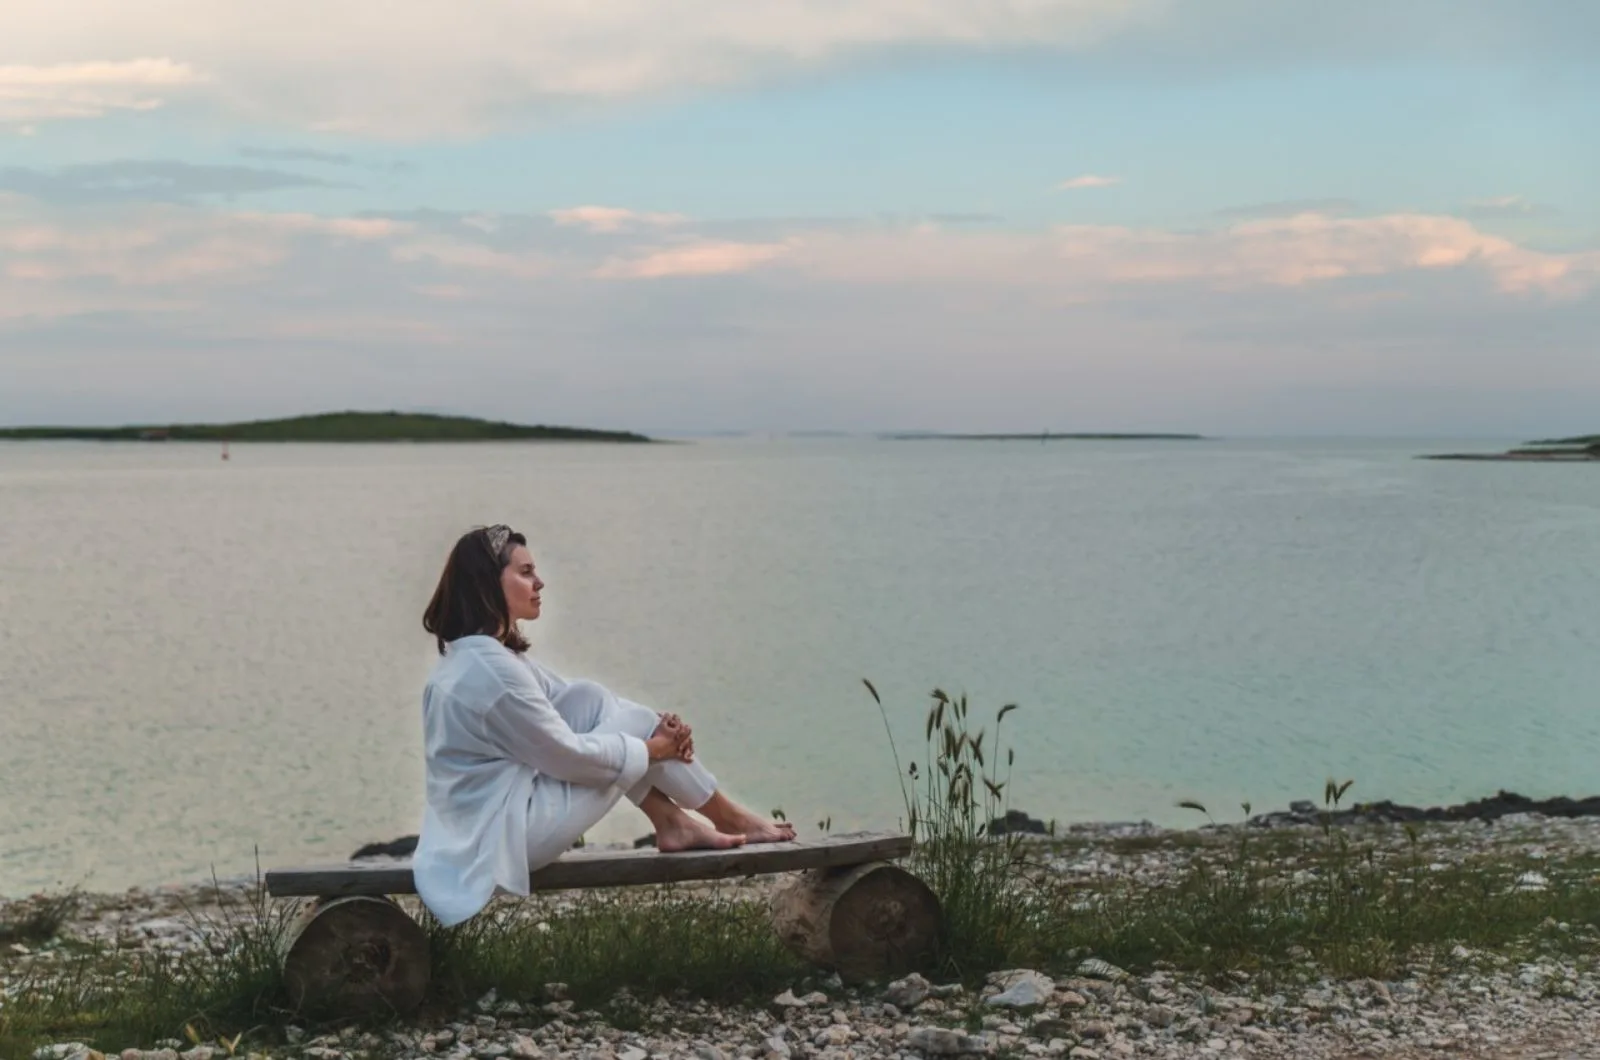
649, 942
38, 919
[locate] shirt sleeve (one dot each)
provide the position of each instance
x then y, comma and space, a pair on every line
523, 725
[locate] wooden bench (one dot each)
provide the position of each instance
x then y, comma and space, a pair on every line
356, 950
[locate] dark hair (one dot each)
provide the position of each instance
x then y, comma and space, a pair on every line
469, 598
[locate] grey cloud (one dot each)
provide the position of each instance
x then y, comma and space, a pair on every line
1506, 207
1288, 208
296, 154
145, 181
326, 158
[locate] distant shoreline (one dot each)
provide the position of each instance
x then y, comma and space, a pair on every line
1580, 450
1043, 436
331, 427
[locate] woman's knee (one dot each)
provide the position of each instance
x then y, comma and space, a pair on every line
583, 704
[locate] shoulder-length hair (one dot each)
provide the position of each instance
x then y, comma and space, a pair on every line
469, 599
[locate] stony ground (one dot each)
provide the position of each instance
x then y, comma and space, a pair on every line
1472, 1005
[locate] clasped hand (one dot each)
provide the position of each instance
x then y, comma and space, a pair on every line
672, 739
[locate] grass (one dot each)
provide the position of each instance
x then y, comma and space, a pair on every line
660, 942
38, 919
1381, 902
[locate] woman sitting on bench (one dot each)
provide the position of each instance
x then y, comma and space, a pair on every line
520, 763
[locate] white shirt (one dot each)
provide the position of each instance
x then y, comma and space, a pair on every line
489, 733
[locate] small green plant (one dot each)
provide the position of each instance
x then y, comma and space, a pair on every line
990, 904
38, 919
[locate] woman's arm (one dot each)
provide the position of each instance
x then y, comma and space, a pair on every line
523, 725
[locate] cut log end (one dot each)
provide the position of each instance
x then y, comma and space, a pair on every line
865, 922
356, 956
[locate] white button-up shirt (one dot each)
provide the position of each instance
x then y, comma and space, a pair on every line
489, 734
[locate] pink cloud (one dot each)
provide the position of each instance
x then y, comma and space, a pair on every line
30, 94
613, 218
696, 259
1088, 180
1087, 261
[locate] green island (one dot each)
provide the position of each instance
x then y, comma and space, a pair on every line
1579, 449
1043, 436
348, 426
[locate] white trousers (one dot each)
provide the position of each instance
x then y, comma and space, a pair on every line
559, 812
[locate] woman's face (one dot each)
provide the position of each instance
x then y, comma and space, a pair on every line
522, 586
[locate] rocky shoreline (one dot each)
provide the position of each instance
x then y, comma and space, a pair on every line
1462, 1004
1303, 812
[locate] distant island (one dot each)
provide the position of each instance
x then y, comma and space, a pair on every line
1581, 449
1042, 436
330, 427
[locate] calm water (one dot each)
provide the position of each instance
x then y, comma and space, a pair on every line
201, 660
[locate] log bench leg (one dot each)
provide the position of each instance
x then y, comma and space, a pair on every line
869, 921
356, 955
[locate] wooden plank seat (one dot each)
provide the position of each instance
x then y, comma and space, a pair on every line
355, 950
611, 868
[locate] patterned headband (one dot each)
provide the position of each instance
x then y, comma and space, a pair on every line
499, 536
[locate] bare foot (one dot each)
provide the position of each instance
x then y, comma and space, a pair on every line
688, 833
736, 820
765, 830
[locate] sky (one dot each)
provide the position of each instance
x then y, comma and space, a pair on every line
1241, 217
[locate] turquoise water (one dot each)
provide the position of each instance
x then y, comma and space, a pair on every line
207, 660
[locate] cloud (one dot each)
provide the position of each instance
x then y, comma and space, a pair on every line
1092, 263
155, 255
53, 91
449, 255
296, 154
436, 68
613, 218
140, 306
1289, 208
1088, 180
1505, 206
161, 181
695, 259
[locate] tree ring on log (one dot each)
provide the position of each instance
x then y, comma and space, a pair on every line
865, 921
356, 955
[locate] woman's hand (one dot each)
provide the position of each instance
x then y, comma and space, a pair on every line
673, 739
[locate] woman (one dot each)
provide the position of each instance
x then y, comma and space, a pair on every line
521, 763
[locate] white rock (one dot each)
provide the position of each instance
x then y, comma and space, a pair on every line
1024, 989
633, 1052
59, 1051
909, 992
525, 1048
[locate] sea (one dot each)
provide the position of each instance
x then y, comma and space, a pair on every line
211, 667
